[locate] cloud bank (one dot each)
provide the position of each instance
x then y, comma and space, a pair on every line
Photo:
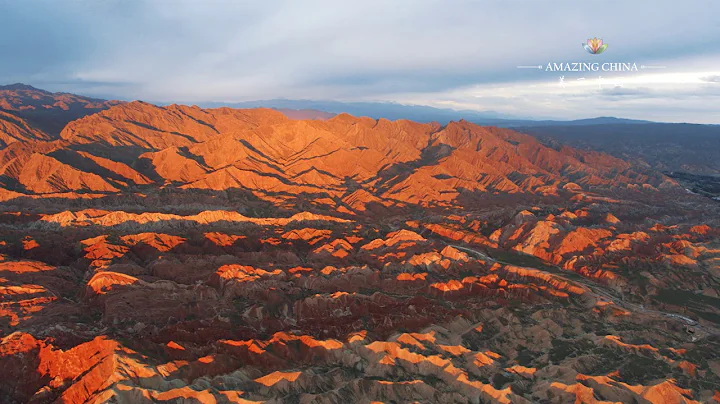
432, 52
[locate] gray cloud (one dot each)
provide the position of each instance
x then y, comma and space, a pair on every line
618, 91
221, 50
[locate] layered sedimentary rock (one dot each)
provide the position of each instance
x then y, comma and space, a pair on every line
175, 254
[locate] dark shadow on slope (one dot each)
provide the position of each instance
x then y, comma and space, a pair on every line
123, 154
151, 199
85, 164
53, 121
152, 128
397, 173
185, 152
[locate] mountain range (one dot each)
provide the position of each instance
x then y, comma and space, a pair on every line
185, 254
418, 113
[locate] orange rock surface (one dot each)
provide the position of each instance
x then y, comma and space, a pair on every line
178, 254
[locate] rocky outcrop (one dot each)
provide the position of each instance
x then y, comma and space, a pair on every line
179, 254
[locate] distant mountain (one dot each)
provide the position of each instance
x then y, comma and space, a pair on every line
417, 113
45, 111
603, 120
19, 87
376, 110
305, 113
682, 147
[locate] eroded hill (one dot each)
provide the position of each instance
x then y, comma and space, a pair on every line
175, 254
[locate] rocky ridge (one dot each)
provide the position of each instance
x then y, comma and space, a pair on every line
175, 254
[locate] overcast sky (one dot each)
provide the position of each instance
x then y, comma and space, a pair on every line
444, 53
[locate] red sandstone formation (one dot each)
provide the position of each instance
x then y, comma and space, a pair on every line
174, 254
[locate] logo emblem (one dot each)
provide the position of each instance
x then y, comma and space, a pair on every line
595, 46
